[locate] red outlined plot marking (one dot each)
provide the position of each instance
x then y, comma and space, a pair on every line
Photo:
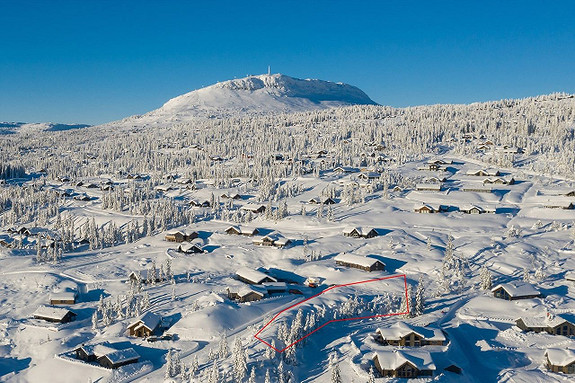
333, 320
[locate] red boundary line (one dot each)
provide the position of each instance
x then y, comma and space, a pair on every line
333, 320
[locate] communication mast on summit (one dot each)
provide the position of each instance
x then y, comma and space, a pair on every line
269, 70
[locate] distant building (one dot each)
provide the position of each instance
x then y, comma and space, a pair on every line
484, 173
146, 325
359, 262
360, 232
180, 236
190, 248
106, 356
404, 363
273, 239
474, 209
246, 293
54, 314
231, 196
204, 203
562, 324
435, 187
241, 230
403, 334
428, 208
254, 208
560, 360
515, 290
65, 298
142, 276
321, 201
253, 277
477, 188
499, 181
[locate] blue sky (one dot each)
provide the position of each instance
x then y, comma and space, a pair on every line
92, 61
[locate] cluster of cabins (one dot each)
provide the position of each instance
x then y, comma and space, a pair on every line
106, 356
257, 285
29, 237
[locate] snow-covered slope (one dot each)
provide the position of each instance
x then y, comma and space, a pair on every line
23, 127
264, 93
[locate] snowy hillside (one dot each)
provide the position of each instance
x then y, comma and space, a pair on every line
22, 127
260, 94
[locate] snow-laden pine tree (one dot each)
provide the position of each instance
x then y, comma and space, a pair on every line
214, 374
267, 378
419, 297
252, 377
240, 361
223, 350
485, 278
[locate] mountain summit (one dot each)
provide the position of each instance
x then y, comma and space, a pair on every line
261, 94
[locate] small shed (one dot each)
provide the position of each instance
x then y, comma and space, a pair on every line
64, 298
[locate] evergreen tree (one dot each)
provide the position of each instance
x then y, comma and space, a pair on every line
485, 278
419, 298
240, 361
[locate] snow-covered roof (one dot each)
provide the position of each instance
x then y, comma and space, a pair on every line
97, 350
400, 329
150, 320
392, 360
245, 290
363, 231
560, 357
275, 286
56, 313
121, 356
548, 320
252, 275
356, 259
570, 276
428, 186
518, 289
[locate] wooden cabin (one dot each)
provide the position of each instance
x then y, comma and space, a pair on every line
257, 209
246, 293
65, 298
404, 363
403, 334
180, 236
54, 314
240, 230
119, 358
515, 290
359, 262
146, 325
562, 324
560, 360
360, 232
253, 277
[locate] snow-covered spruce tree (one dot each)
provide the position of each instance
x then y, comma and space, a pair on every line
485, 278
214, 374
240, 361
526, 277
95, 320
223, 350
419, 297
252, 377
281, 372
267, 378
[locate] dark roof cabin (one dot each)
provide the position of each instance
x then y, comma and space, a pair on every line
404, 364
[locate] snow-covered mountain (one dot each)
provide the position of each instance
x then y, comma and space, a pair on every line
260, 94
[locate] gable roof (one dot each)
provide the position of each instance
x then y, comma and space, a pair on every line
518, 289
560, 357
357, 260
97, 350
392, 360
400, 329
149, 320
121, 356
252, 275
548, 320
56, 313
